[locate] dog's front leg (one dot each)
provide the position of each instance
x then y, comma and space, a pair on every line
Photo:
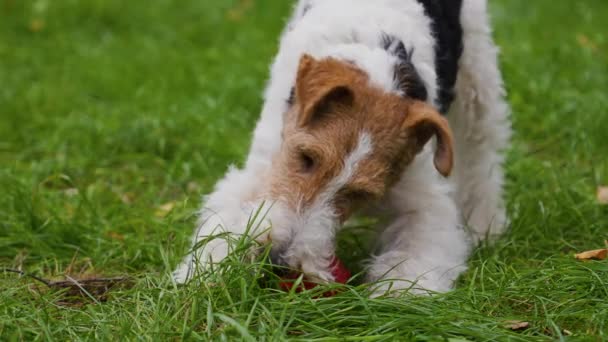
425, 247
225, 215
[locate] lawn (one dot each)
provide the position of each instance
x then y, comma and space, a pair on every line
116, 116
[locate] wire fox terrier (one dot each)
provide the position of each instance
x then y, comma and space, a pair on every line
395, 107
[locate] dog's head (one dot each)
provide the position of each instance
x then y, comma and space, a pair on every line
345, 143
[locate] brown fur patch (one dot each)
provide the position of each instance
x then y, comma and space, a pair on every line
334, 105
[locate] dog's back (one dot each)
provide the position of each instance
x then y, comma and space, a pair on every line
411, 21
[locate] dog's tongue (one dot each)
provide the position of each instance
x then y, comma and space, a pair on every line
338, 270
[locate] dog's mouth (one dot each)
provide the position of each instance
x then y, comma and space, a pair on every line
279, 265
290, 260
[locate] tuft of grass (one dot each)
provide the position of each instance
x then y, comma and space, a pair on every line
111, 109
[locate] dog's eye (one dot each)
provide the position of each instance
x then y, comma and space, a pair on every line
307, 162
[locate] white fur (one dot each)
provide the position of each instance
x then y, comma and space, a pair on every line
479, 118
425, 246
309, 234
311, 239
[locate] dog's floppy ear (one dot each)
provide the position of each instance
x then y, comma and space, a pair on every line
320, 85
422, 122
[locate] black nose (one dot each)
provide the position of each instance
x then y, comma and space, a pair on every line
280, 266
276, 257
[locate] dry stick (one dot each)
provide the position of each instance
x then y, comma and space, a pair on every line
82, 289
26, 274
87, 287
70, 280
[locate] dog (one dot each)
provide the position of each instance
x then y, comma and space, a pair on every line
393, 108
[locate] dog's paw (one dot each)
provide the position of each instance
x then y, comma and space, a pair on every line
212, 253
396, 274
182, 273
420, 286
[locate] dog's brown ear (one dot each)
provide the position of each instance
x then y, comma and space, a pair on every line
422, 122
320, 85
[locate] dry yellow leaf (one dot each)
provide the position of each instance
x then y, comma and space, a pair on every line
517, 325
115, 236
238, 12
127, 197
71, 192
602, 194
596, 254
164, 209
193, 187
36, 25
585, 42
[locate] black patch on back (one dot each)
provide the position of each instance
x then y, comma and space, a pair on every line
292, 97
447, 30
406, 75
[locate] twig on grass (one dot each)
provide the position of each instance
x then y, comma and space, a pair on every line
95, 289
26, 274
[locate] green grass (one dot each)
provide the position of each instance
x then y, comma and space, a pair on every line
109, 109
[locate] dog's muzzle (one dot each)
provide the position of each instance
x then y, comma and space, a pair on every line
278, 262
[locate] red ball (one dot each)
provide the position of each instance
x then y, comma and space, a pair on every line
338, 270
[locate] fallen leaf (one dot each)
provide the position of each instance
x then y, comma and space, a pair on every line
83, 291
237, 13
567, 332
36, 25
127, 197
164, 209
602, 194
517, 325
585, 42
71, 192
596, 254
193, 187
115, 236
